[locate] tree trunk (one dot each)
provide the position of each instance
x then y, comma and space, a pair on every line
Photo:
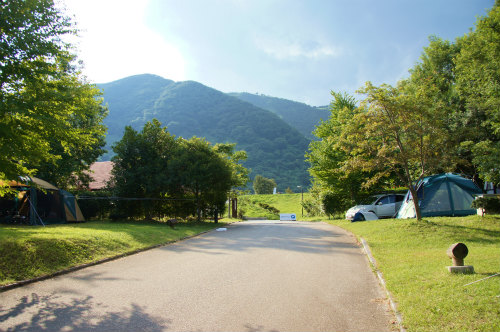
198, 206
414, 196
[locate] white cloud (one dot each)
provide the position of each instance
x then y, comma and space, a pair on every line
115, 41
281, 49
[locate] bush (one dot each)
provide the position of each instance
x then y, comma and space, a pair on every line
269, 208
490, 204
311, 207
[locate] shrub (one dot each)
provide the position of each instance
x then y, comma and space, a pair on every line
269, 208
311, 207
489, 204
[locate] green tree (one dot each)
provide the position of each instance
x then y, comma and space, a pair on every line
42, 95
235, 158
478, 83
327, 158
198, 170
83, 136
396, 132
141, 168
262, 185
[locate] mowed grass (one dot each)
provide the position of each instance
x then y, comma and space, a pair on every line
32, 251
285, 203
412, 257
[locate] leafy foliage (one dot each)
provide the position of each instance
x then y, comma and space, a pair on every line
269, 208
172, 176
50, 118
491, 204
327, 156
478, 83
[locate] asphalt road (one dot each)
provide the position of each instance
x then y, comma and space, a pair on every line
256, 276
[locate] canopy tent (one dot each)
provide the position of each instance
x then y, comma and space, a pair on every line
441, 195
36, 201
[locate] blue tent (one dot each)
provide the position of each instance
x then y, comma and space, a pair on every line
441, 195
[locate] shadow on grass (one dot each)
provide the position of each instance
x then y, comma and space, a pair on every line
54, 313
477, 232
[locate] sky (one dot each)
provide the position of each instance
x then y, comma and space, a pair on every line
295, 49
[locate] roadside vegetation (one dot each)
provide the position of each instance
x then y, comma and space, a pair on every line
35, 251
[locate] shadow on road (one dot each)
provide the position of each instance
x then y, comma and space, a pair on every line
303, 238
49, 314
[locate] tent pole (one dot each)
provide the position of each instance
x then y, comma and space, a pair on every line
33, 209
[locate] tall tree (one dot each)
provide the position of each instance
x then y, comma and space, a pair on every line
339, 189
478, 82
79, 140
141, 167
42, 95
398, 133
199, 171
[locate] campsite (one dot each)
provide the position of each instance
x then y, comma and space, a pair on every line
111, 151
36, 202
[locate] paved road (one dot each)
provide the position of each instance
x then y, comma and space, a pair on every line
256, 276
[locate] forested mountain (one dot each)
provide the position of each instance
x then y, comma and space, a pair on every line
301, 116
275, 149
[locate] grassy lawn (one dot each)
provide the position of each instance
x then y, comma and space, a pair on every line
285, 203
412, 257
33, 251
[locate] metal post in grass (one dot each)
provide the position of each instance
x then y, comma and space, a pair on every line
302, 199
457, 252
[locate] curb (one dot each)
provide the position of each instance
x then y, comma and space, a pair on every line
373, 262
104, 260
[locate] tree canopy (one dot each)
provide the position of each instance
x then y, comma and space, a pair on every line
478, 83
174, 176
50, 117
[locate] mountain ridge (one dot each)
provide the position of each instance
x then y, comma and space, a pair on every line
189, 108
299, 115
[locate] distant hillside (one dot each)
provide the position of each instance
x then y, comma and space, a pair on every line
298, 115
275, 149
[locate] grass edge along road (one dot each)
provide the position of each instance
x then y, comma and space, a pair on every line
412, 258
36, 251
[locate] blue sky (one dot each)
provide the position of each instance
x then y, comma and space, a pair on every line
298, 50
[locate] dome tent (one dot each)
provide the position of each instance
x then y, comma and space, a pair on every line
441, 195
39, 202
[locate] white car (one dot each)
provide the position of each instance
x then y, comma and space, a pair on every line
384, 206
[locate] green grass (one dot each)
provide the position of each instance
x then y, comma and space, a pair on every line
32, 251
412, 257
285, 203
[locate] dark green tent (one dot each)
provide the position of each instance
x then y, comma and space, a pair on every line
442, 195
38, 202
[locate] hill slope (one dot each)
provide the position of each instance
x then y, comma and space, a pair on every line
275, 149
301, 116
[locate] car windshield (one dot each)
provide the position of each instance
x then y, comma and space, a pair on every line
369, 200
